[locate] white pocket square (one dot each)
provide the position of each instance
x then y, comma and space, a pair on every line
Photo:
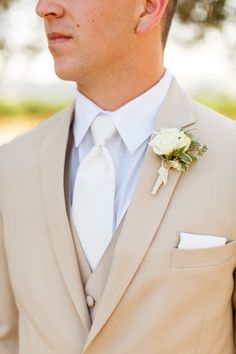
190, 241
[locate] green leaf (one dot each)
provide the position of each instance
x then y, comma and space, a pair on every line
194, 144
184, 166
194, 158
185, 158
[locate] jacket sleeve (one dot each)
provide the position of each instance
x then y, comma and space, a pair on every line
8, 310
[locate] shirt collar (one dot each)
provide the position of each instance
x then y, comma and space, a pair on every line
85, 112
134, 120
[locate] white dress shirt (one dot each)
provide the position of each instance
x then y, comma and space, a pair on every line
134, 122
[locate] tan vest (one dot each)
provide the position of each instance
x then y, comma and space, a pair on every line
93, 282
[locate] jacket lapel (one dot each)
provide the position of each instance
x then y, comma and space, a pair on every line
135, 238
52, 162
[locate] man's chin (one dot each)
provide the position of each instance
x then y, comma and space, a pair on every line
70, 71
64, 74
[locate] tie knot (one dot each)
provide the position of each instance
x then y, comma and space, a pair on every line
102, 129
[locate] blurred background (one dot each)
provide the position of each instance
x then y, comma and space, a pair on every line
201, 53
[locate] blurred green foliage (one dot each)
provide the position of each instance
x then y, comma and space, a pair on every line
28, 108
202, 12
42, 110
222, 105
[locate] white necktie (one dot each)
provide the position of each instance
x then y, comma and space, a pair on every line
93, 198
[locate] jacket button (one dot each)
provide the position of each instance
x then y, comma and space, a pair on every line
90, 301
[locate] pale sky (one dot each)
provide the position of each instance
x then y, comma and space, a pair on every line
205, 66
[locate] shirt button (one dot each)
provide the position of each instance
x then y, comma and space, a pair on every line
90, 301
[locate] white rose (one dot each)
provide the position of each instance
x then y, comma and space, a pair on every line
184, 141
165, 142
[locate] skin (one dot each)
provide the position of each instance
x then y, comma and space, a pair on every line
114, 51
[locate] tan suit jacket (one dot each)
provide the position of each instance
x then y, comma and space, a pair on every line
158, 299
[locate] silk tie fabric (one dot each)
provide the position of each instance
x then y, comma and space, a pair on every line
94, 192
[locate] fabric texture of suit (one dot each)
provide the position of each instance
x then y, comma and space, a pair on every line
158, 299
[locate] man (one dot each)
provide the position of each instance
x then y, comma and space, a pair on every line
90, 261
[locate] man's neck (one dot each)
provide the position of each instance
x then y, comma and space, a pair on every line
111, 91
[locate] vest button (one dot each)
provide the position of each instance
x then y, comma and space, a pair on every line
90, 301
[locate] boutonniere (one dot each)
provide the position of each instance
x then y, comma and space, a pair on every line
177, 149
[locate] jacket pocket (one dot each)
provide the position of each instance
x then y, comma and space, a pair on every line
203, 257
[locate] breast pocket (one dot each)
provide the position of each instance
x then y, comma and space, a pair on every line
203, 257
203, 280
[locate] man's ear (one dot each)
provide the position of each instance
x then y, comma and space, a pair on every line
153, 11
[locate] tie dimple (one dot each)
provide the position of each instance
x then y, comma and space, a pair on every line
102, 129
